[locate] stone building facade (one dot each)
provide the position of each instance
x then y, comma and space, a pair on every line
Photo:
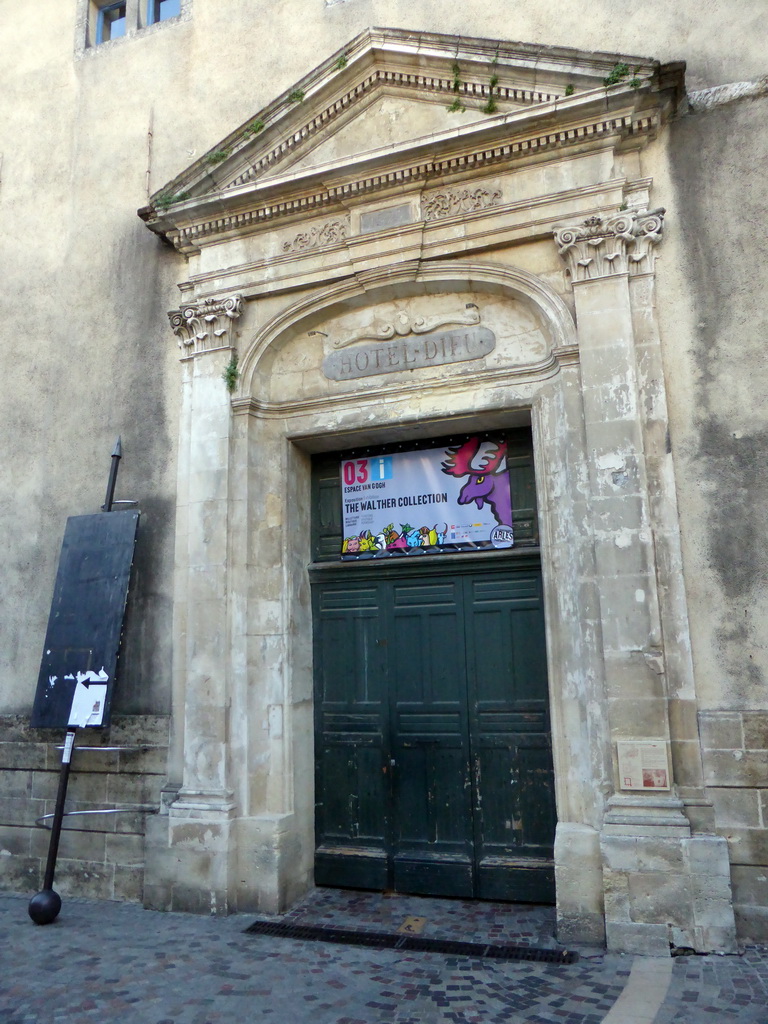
319, 248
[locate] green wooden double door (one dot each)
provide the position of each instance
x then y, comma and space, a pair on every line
433, 754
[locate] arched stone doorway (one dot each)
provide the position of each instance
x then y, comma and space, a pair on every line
532, 355
536, 225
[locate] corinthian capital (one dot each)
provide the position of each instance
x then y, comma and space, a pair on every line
607, 246
647, 231
207, 324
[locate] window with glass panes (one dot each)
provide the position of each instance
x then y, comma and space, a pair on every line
111, 22
161, 10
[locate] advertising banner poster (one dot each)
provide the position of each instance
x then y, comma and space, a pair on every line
446, 498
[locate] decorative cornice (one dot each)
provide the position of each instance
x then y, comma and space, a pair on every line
332, 232
450, 202
206, 325
609, 246
188, 238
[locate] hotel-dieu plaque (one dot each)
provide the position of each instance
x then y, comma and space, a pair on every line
410, 353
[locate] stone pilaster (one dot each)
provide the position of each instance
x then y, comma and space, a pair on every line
645, 836
191, 852
678, 667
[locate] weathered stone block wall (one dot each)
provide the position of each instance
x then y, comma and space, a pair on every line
735, 754
717, 381
100, 855
664, 890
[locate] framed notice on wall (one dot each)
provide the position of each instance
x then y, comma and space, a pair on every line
643, 764
445, 498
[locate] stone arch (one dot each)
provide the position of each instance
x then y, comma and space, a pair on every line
408, 279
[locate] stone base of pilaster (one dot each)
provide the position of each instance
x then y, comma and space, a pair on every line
275, 863
667, 890
579, 885
202, 860
190, 853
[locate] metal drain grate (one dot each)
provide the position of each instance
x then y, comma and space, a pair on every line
412, 943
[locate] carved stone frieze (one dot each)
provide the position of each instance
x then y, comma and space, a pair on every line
403, 324
450, 202
607, 246
207, 324
330, 233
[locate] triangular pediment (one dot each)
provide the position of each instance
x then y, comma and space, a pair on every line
386, 120
394, 95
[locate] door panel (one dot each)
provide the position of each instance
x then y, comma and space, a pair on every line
434, 763
352, 791
433, 822
507, 687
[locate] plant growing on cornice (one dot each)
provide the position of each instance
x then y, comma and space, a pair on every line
231, 374
255, 127
492, 106
569, 90
457, 106
296, 96
165, 201
618, 72
217, 156
341, 63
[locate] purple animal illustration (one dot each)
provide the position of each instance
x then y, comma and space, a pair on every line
487, 484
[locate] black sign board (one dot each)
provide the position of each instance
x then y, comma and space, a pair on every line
77, 671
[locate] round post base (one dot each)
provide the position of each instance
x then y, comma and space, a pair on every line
45, 906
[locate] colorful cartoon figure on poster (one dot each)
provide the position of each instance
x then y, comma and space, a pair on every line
430, 536
486, 485
363, 543
413, 537
395, 540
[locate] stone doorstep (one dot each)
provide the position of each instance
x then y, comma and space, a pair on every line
640, 939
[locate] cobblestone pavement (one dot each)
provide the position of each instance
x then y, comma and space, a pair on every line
470, 920
104, 961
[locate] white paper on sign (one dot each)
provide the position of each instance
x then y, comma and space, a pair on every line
89, 699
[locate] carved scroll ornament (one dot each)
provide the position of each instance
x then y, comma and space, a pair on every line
403, 323
604, 247
331, 233
647, 231
451, 202
207, 324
